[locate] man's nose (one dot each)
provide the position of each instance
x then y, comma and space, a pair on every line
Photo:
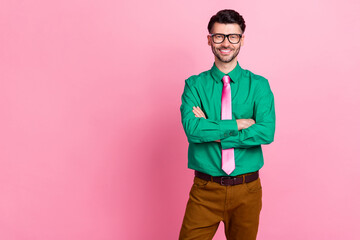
226, 42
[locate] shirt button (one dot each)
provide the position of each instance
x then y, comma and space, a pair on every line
225, 134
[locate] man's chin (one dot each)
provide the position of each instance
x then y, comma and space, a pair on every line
225, 60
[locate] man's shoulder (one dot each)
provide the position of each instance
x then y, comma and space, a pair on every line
255, 77
260, 82
198, 78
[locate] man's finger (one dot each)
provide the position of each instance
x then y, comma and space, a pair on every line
195, 109
198, 110
202, 113
198, 113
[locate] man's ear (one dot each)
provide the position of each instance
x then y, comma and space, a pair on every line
209, 40
242, 40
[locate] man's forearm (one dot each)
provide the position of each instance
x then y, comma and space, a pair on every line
241, 123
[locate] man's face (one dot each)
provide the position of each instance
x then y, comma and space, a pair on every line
226, 51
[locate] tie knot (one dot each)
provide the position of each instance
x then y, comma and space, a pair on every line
226, 79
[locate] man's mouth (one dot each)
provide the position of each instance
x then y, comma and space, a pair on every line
225, 51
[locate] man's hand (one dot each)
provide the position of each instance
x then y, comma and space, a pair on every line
244, 123
198, 113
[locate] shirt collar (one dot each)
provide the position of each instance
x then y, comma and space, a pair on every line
234, 75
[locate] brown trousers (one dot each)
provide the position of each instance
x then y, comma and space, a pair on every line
209, 203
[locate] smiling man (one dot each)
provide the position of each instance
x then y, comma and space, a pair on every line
227, 113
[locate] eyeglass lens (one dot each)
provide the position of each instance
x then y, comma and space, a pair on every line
219, 38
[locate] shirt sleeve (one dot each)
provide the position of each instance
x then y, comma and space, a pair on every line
200, 130
262, 132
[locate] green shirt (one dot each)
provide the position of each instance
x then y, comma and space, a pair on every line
251, 97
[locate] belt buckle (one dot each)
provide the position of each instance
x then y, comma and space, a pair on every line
222, 180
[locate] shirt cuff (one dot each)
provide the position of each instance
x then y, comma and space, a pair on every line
230, 142
228, 128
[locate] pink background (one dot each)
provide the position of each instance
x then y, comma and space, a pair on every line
91, 141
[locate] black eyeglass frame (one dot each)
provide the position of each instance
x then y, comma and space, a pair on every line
225, 36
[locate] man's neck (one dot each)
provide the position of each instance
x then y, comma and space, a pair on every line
225, 67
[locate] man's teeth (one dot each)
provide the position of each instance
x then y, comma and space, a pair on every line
226, 51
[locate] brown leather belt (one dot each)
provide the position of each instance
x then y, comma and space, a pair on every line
229, 181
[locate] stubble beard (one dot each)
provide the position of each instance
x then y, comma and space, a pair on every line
223, 59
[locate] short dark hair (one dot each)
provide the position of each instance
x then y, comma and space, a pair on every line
227, 16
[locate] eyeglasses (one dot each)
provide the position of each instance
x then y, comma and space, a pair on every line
219, 37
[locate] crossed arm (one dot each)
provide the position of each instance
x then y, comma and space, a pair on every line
241, 123
239, 133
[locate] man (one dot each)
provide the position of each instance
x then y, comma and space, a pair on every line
227, 113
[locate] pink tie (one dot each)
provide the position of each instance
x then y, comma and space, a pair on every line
228, 159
